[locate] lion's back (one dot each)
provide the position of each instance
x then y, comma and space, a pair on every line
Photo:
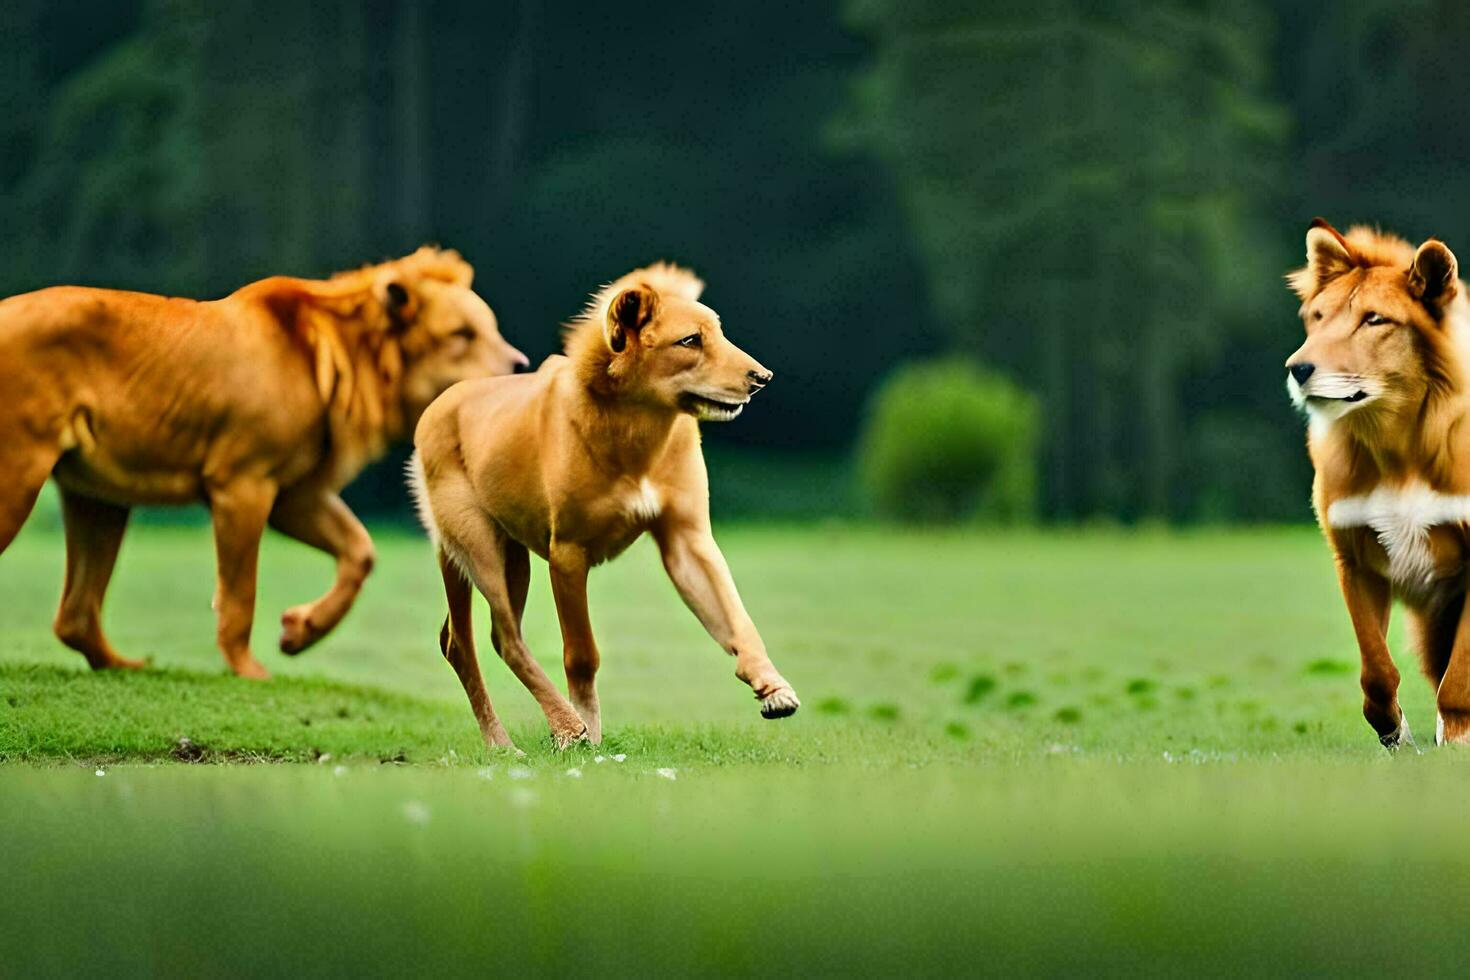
81, 318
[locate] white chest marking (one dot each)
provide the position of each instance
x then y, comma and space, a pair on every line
643, 504
1402, 517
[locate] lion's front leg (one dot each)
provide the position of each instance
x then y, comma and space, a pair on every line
1368, 601
239, 509
698, 571
320, 519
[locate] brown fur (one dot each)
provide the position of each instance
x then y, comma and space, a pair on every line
574, 463
262, 404
1386, 327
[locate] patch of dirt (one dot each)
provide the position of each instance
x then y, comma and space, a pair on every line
185, 750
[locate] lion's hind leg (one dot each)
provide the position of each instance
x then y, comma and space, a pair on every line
1444, 644
1432, 632
457, 643
94, 532
25, 463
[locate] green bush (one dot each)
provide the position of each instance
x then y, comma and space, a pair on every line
946, 441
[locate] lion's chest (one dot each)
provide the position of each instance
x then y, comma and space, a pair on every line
1421, 532
639, 503
606, 523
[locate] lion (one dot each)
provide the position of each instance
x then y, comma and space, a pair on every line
262, 405
576, 462
1381, 377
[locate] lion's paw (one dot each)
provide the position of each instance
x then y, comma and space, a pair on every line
297, 631
780, 704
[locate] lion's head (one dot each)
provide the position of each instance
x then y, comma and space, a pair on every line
649, 338
1376, 312
388, 339
446, 332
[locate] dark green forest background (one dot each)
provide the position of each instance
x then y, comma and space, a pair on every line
1096, 199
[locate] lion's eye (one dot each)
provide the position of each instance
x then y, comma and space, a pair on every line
693, 340
1374, 320
465, 332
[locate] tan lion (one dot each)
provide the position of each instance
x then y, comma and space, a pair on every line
1382, 379
262, 405
574, 463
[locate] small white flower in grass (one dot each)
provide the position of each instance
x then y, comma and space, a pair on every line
619, 757
519, 772
668, 773
599, 758
339, 771
101, 773
415, 812
574, 773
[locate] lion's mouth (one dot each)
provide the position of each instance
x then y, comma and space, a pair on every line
1331, 394
710, 409
1355, 397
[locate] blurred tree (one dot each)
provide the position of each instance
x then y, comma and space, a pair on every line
111, 183
41, 43
1378, 90
1082, 181
22, 89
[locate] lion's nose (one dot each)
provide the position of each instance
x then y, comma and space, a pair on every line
758, 379
1301, 372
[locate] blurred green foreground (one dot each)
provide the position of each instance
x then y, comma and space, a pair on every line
1087, 752
1083, 865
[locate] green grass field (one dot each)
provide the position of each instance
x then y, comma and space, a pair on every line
1099, 752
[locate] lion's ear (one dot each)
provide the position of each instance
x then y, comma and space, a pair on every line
1328, 256
401, 305
1434, 278
628, 313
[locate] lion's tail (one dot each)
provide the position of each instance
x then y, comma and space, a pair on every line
419, 488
